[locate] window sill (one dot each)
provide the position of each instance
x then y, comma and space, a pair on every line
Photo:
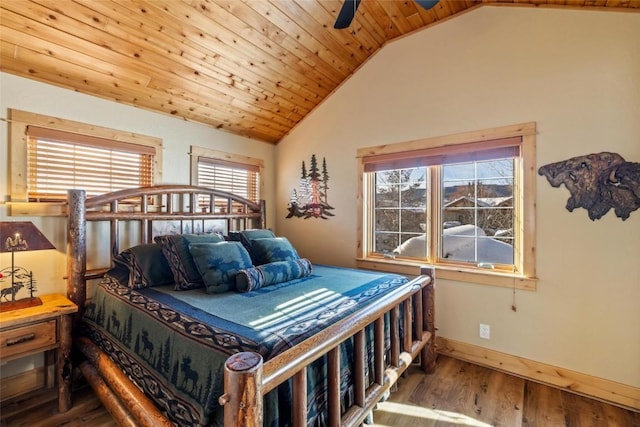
488, 277
37, 208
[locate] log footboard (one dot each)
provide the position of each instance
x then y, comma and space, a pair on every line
248, 378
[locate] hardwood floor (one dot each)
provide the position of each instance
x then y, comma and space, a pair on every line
40, 409
464, 394
458, 394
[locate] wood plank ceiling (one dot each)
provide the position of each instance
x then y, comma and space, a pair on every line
251, 67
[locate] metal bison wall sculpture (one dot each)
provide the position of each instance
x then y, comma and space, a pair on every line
598, 183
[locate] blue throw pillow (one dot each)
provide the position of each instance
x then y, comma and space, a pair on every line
142, 266
175, 248
258, 277
272, 249
246, 237
218, 264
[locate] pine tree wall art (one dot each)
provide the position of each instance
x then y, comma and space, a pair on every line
310, 199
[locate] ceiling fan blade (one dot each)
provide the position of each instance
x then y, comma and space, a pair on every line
427, 4
346, 14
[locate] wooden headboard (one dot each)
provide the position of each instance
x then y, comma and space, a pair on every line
187, 208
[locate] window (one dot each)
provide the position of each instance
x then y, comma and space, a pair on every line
51, 155
228, 172
61, 160
463, 203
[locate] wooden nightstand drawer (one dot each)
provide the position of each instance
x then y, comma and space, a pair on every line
27, 339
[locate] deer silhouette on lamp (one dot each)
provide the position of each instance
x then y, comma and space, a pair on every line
19, 236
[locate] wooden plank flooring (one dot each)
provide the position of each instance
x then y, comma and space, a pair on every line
458, 394
464, 394
40, 409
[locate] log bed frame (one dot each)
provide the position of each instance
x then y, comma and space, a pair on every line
247, 377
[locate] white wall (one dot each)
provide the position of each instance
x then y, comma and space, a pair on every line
575, 73
15, 92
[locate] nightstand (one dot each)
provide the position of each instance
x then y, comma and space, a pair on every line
43, 328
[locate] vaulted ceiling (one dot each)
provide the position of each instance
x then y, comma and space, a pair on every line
251, 67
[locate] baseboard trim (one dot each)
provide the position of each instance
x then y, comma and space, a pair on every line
612, 392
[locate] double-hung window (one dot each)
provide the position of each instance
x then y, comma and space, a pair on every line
50, 155
60, 160
233, 173
463, 203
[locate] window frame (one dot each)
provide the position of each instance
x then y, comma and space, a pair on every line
196, 152
524, 197
19, 144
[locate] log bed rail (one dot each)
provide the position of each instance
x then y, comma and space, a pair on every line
247, 377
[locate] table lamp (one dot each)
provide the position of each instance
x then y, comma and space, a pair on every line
19, 236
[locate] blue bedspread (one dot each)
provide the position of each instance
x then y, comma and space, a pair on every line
173, 344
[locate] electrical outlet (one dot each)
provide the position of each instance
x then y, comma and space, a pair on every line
485, 331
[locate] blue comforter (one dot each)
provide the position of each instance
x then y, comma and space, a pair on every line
173, 344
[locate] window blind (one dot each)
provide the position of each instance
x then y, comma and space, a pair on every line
58, 161
238, 178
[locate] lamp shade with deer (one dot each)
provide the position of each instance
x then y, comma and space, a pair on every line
19, 236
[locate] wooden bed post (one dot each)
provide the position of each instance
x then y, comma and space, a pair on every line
76, 252
242, 400
263, 214
428, 354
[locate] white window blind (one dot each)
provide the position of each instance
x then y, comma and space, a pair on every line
59, 160
238, 178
